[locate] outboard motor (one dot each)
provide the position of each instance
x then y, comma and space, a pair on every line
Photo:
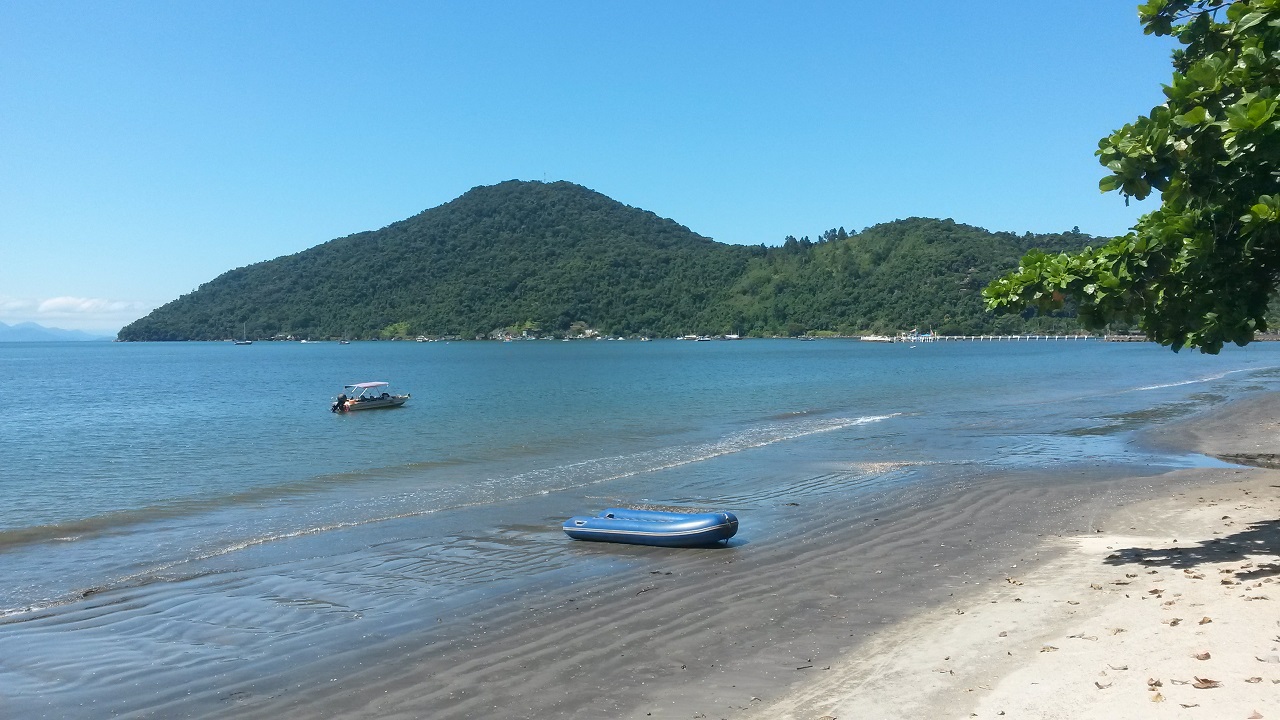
340, 405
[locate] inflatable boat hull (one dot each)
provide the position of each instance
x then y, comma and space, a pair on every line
653, 527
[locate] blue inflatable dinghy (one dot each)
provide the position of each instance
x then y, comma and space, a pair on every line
653, 527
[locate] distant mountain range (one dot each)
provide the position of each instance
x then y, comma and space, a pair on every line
31, 332
552, 258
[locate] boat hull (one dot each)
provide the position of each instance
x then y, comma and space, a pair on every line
652, 527
376, 404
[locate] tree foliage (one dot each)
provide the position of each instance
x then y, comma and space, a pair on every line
558, 258
1200, 270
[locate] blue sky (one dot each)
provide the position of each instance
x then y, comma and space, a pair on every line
147, 147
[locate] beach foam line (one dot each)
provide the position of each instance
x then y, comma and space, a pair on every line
1194, 381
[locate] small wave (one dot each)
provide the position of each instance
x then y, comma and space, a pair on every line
120, 521
601, 470
1193, 381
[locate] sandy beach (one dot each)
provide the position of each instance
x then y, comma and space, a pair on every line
1170, 608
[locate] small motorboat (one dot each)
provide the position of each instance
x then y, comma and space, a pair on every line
653, 527
367, 396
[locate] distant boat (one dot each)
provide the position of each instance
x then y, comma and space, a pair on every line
244, 336
367, 396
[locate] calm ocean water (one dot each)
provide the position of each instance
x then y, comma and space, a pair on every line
134, 463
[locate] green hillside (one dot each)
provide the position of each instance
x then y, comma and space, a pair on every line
530, 254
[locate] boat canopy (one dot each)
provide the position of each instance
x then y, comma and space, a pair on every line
366, 385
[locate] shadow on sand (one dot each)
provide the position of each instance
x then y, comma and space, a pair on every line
1260, 538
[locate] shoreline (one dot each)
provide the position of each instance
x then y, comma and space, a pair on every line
739, 632
1168, 608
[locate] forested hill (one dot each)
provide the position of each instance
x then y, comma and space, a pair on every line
553, 256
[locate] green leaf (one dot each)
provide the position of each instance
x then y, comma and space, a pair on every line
1193, 117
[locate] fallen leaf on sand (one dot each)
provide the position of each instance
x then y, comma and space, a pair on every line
1095, 586
1082, 636
1205, 620
1131, 575
1101, 686
1153, 683
1189, 706
1157, 698
1072, 602
1254, 680
1117, 631
1205, 684
1120, 667
1255, 716
1048, 648
1172, 622
1201, 656
1154, 591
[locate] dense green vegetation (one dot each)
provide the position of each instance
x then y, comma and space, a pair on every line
551, 257
1203, 269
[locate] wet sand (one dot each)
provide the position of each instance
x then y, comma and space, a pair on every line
890, 609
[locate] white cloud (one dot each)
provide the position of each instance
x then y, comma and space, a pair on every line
17, 305
73, 313
69, 306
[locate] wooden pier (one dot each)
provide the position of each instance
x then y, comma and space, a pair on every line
972, 338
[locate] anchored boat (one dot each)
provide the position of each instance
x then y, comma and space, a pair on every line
653, 527
367, 396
